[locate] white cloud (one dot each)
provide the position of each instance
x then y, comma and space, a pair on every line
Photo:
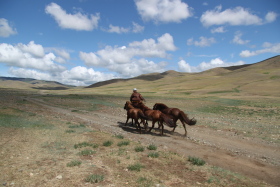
123, 55
204, 42
163, 10
236, 16
82, 76
117, 29
270, 17
218, 30
5, 29
32, 48
30, 73
77, 21
237, 39
78, 76
268, 48
214, 63
129, 60
136, 28
28, 56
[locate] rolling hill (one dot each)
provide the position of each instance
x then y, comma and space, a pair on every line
27, 83
262, 79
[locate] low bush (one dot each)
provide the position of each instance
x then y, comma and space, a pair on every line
196, 161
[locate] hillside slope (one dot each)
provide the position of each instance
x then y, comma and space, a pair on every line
26, 83
261, 78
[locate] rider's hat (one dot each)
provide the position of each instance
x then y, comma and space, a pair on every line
134, 89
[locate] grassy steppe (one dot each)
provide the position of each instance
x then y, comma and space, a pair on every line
42, 148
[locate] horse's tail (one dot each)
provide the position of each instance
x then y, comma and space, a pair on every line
169, 121
185, 118
142, 115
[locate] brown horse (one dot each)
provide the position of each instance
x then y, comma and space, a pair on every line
135, 114
156, 116
176, 114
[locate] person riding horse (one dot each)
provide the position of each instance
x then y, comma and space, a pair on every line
136, 98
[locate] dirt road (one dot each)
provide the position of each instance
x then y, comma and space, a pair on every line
226, 149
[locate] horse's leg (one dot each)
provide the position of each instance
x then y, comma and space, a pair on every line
138, 125
175, 121
184, 125
153, 125
127, 118
159, 125
132, 122
162, 127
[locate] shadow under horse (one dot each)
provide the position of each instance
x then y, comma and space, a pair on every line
176, 113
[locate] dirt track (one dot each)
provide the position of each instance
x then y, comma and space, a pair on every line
251, 157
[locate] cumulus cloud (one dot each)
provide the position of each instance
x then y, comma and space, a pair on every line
237, 39
5, 29
267, 48
123, 55
203, 42
77, 21
136, 28
214, 63
78, 76
218, 30
163, 10
28, 56
235, 16
270, 17
130, 60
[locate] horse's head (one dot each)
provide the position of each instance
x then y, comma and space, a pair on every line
192, 121
155, 107
126, 105
159, 106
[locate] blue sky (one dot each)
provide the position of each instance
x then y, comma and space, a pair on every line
80, 42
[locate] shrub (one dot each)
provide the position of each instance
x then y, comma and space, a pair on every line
135, 167
74, 163
153, 154
70, 131
94, 178
196, 161
152, 147
119, 136
139, 149
107, 143
123, 143
87, 152
85, 144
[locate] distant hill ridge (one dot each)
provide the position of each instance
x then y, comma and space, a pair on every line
273, 62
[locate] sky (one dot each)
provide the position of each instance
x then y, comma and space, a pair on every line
81, 42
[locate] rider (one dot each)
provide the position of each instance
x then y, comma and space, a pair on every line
136, 97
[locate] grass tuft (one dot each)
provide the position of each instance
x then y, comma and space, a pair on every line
107, 143
94, 178
152, 147
87, 152
74, 163
135, 167
85, 144
153, 154
196, 161
123, 143
139, 149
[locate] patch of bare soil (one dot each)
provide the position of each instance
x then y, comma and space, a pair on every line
227, 149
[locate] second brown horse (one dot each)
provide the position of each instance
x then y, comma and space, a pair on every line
176, 114
156, 116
